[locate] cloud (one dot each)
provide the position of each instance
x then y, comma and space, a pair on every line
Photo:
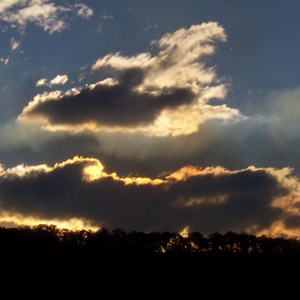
8, 219
30, 144
83, 10
14, 45
268, 139
41, 82
205, 199
5, 60
58, 80
179, 61
43, 13
107, 17
109, 105
166, 94
282, 109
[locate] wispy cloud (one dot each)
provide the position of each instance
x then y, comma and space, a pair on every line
44, 13
107, 17
251, 199
166, 94
4, 60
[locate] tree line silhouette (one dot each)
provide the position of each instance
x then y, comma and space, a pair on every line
50, 239
49, 262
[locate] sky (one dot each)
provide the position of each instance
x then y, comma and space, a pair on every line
161, 115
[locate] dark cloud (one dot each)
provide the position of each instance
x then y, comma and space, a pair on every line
112, 105
207, 201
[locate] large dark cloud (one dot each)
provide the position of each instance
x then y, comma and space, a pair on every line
112, 105
207, 201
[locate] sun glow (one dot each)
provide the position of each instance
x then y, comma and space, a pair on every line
94, 171
11, 219
185, 232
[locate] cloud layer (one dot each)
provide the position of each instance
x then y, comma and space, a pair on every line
205, 199
165, 94
150, 114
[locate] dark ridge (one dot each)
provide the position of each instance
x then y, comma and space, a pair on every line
50, 263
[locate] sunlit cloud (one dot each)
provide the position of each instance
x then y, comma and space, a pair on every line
24, 170
14, 45
41, 82
207, 199
121, 63
57, 80
180, 60
83, 10
9, 219
43, 13
163, 95
6, 4
119, 108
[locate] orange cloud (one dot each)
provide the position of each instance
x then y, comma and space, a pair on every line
11, 219
80, 191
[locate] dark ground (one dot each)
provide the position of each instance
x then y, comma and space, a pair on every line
35, 264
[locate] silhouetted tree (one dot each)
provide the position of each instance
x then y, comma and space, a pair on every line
161, 263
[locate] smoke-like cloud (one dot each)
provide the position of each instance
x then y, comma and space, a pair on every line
205, 199
165, 94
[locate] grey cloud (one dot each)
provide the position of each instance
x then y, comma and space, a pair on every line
117, 105
32, 145
234, 145
292, 222
62, 193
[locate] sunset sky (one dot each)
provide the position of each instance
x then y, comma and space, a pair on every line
151, 115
